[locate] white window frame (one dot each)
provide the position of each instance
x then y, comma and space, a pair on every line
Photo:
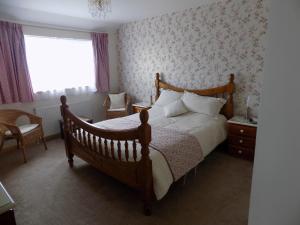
61, 83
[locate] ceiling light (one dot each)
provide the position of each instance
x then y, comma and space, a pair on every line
99, 8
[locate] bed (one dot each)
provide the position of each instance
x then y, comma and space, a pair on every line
148, 151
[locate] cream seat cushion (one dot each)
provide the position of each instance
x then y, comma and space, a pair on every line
23, 128
117, 101
114, 110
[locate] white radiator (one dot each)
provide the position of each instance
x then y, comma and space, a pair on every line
51, 115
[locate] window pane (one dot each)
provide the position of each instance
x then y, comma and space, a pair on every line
57, 64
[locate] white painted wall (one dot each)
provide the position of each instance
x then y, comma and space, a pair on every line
275, 197
94, 99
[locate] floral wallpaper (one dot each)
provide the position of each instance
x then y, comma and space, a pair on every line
197, 48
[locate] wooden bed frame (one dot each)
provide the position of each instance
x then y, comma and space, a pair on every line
102, 148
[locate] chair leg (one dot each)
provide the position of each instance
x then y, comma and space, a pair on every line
44, 142
70, 160
147, 209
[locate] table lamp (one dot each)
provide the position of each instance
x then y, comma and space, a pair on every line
249, 104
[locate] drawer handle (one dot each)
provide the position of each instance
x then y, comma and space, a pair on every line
242, 131
241, 141
240, 152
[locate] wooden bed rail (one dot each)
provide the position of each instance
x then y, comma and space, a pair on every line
122, 154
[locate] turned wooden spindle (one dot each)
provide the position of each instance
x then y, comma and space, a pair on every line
230, 91
80, 136
119, 150
84, 138
126, 151
100, 146
106, 148
89, 141
76, 133
94, 144
231, 79
157, 86
112, 149
134, 150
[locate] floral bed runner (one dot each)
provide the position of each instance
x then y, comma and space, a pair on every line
182, 151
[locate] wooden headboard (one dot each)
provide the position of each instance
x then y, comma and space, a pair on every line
225, 91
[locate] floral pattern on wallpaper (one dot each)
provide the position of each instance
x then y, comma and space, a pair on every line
197, 48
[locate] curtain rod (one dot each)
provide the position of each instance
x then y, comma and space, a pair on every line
32, 24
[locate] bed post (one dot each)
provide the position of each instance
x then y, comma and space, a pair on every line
146, 164
157, 86
63, 108
229, 104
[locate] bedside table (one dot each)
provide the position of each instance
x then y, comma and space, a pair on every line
241, 137
138, 107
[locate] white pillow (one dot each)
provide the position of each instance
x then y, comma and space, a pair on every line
175, 108
202, 104
117, 101
166, 97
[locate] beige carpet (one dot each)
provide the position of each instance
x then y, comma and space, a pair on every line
48, 192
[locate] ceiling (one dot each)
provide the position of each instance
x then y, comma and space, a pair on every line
74, 14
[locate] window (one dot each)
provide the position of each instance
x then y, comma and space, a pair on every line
58, 64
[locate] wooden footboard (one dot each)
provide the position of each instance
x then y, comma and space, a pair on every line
108, 151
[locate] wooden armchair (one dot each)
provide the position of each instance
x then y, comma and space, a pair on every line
24, 134
114, 113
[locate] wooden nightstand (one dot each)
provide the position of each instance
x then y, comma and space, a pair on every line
138, 107
241, 138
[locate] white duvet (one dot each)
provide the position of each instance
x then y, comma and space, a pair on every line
209, 131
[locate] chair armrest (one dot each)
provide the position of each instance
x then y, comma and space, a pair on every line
32, 118
1, 139
106, 103
35, 119
13, 128
128, 101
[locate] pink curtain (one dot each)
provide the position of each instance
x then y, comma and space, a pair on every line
100, 46
15, 83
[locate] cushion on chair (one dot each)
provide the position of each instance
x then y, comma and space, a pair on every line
23, 128
116, 110
117, 101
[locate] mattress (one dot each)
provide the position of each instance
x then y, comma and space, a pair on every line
209, 132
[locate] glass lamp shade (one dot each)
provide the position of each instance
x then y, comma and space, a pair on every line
99, 8
250, 101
